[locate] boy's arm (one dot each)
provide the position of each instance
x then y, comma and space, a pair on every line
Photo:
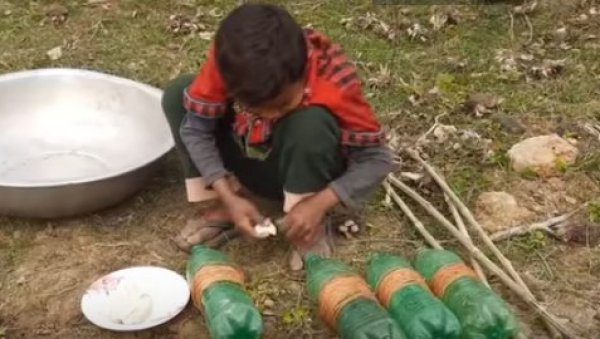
367, 167
206, 102
198, 135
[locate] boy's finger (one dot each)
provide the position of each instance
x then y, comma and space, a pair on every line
292, 230
247, 228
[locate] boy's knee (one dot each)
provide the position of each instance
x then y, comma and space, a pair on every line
172, 98
313, 129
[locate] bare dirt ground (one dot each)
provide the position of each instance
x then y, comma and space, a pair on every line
412, 74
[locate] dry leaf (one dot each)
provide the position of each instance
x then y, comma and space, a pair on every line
180, 24
481, 103
438, 21
548, 69
443, 132
208, 36
55, 53
371, 22
443, 18
417, 32
525, 9
216, 13
382, 79
57, 14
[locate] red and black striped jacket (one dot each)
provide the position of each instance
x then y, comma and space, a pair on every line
332, 82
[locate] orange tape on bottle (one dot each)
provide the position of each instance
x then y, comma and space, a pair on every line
337, 293
208, 275
449, 274
396, 280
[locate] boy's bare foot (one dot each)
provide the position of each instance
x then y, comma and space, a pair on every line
322, 247
204, 229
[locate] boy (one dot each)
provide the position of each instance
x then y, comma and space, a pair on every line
279, 110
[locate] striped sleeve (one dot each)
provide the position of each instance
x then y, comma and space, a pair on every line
335, 84
206, 96
333, 64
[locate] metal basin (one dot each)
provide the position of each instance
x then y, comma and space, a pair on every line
75, 141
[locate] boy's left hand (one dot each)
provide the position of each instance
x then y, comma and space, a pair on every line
304, 223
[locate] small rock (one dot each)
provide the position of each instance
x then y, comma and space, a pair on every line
560, 34
55, 53
510, 124
21, 280
544, 155
498, 211
269, 303
570, 200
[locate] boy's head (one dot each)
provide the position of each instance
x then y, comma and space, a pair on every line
261, 53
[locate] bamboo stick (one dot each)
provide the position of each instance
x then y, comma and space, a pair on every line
416, 222
518, 289
463, 229
550, 226
470, 219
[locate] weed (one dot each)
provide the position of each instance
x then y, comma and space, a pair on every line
593, 211
296, 316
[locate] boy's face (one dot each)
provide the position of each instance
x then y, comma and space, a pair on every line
289, 99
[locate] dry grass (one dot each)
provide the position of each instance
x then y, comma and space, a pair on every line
45, 266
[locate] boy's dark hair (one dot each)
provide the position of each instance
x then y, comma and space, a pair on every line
259, 50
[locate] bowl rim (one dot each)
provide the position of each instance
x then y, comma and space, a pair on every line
162, 150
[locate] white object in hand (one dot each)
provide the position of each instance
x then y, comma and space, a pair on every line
265, 229
129, 305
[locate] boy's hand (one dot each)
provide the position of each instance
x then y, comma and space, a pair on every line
244, 215
304, 223
242, 211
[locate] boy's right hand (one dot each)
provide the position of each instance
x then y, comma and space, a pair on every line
244, 215
242, 211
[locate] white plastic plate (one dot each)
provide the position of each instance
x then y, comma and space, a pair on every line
166, 291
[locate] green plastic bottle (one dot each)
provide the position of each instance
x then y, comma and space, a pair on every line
333, 285
217, 291
408, 299
481, 312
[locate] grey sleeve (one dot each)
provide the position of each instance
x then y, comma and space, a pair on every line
367, 167
198, 136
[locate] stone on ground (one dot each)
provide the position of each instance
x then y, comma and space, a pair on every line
546, 156
497, 211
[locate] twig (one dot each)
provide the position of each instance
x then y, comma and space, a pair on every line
550, 322
546, 265
418, 224
550, 226
593, 130
436, 123
512, 26
63, 291
530, 26
116, 244
463, 229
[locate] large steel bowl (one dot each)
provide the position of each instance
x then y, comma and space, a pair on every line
75, 141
